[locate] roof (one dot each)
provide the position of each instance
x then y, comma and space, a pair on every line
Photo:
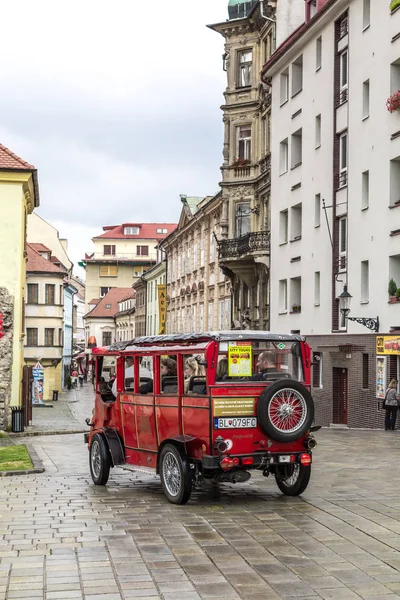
39, 247
147, 231
296, 35
112, 298
218, 336
94, 301
11, 162
38, 264
192, 203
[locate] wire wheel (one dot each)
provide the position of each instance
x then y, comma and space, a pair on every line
287, 410
99, 459
95, 459
292, 480
171, 474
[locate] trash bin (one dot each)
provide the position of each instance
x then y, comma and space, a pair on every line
17, 419
55, 395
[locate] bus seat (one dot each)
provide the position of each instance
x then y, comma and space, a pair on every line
272, 376
197, 385
169, 384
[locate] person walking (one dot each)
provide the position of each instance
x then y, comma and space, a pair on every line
391, 405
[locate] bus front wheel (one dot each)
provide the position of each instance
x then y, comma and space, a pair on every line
176, 476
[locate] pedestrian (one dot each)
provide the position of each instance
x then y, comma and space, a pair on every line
81, 371
391, 405
74, 377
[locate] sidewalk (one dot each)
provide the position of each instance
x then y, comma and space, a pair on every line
66, 415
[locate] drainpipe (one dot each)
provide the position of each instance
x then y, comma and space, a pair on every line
264, 16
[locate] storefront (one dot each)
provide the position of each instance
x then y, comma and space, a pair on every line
387, 362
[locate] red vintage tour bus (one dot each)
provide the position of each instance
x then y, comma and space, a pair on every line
204, 406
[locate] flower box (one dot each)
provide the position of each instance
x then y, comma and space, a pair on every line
393, 102
241, 162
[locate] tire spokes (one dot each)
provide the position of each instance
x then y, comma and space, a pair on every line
287, 410
172, 474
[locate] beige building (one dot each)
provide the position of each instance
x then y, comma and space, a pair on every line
121, 255
19, 195
44, 318
140, 289
100, 322
198, 292
41, 232
125, 320
155, 279
244, 242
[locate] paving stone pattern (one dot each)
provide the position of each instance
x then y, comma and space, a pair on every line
61, 537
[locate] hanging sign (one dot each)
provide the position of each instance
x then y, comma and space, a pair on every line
162, 308
38, 384
239, 360
388, 344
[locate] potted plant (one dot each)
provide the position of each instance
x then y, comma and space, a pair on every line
69, 382
296, 308
393, 102
241, 162
398, 295
392, 291
394, 4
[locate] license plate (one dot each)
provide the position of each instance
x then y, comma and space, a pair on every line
284, 459
235, 422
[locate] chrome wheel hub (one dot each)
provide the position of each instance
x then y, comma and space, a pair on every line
171, 474
95, 458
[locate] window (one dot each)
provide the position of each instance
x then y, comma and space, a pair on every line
104, 291
364, 281
106, 338
60, 337
311, 9
365, 371
365, 190
366, 13
201, 317
344, 76
244, 142
31, 336
228, 309
142, 250
109, 250
318, 53
395, 76
48, 337
284, 86
317, 288
342, 243
283, 295
61, 294
108, 306
395, 181
317, 131
283, 226
317, 370
210, 316
317, 210
108, 271
343, 160
242, 218
297, 142
297, 76
212, 248
295, 221
33, 295
295, 294
131, 230
50, 293
394, 268
221, 315
284, 156
265, 136
245, 59
195, 257
365, 112
162, 230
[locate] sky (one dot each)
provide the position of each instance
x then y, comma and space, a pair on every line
116, 104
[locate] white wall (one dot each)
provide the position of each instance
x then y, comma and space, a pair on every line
290, 14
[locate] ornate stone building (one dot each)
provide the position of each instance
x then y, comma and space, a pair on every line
198, 292
244, 238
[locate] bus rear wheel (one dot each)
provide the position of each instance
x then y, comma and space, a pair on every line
99, 460
176, 476
292, 479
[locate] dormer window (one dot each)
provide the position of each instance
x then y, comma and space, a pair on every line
131, 230
162, 230
108, 305
311, 9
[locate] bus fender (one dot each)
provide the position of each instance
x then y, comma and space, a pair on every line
115, 446
179, 441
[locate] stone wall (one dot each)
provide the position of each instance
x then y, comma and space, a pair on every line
6, 355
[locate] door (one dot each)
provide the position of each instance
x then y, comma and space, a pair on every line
340, 402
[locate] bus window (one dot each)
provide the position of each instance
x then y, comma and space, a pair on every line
194, 374
168, 375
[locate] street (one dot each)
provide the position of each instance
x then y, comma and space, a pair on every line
62, 537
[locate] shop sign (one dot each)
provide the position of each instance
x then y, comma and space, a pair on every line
381, 376
388, 344
162, 308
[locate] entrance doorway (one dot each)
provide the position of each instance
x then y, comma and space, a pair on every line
340, 400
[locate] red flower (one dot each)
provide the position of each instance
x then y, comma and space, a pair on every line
393, 102
241, 162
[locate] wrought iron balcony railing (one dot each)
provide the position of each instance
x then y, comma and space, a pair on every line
251, 242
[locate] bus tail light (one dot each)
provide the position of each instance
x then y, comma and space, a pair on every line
248, 460
228, 463
305, 459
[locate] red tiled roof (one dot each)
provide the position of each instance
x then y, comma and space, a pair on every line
112, 298
94, 301
9, 160
37, 264
147, 231
39, 247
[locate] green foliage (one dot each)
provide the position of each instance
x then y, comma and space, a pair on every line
392, 289
394, 4
398, 293
15, 458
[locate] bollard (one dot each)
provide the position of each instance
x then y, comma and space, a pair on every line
55, 395
17, 419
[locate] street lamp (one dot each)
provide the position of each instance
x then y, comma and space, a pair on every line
344, 306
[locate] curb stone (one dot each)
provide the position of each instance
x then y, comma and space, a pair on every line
37, 465
55, 432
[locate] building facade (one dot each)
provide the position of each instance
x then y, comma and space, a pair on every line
140, 289
156, 279
243, 244
335, 179
125, 320
19, 195
100, 322
44, 318
121, 255
39, 231
198, 292
69, 293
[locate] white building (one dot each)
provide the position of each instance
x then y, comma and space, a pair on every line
156, 277
335, 144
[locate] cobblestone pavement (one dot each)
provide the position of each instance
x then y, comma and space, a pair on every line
68, 413
61, 537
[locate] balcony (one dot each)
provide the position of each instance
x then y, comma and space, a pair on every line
119, 257
234, 173
252, 242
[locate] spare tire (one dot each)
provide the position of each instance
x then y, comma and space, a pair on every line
285, 410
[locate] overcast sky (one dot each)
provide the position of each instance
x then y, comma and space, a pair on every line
117, 104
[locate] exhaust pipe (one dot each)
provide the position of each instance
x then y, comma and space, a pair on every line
311, 443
